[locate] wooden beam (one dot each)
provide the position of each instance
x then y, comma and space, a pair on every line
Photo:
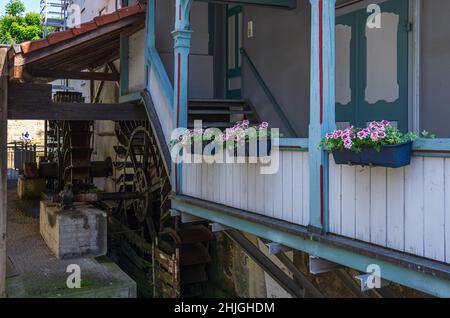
76, 111
57, 74
3, 165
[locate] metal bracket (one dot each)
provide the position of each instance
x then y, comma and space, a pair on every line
277, 248
318, 265
217, 227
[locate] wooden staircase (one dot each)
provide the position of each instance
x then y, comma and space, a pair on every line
221, 113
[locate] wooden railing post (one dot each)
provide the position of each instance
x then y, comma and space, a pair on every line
3, 165
322, 106
182, 46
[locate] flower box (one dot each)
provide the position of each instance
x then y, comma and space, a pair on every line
391, 156
262, 150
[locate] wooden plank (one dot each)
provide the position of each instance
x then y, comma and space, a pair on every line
395, 208
348, 201
236, 170
378, 206
305, 196
414, 208
269, 183
229, 181
277, 189
90, 76
251, 193
434, 200
286, 161
3, 165
244, 187
260, 191
76, 111
335, 197
363, 204
297, 188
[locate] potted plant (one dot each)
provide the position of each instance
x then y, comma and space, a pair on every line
379, 144
242, 140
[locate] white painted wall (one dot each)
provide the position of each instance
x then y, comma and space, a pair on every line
136, 76
284, 195
406, 209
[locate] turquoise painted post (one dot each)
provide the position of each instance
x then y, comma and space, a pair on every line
322, 106
182, 45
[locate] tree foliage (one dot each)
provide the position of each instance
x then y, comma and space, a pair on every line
15, 27
15, 7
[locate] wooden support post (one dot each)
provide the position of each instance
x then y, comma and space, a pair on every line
182, 44
3, 165
322, 106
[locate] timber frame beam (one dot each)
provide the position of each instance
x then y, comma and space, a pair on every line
77, 111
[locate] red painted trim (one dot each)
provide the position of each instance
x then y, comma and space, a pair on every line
321, 57
178, 89
322, 206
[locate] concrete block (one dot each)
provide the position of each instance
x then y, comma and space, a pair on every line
73, 233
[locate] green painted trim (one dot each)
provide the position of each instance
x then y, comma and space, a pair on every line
124, 64
408, 277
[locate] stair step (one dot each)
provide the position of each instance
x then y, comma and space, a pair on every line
194, 254
194, 234
207, 124
217, 103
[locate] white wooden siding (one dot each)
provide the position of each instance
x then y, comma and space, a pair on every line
405, 209
284, 195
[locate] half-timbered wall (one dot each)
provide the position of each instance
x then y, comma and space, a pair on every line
283, 195
405, 209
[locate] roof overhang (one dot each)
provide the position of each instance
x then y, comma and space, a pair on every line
67, 53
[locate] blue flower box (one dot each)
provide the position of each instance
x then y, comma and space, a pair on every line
261, 151
391, 156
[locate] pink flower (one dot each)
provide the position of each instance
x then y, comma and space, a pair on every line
329, 136
337, 134
381, 134
264, 125
348, 144
385, 123
363, 134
